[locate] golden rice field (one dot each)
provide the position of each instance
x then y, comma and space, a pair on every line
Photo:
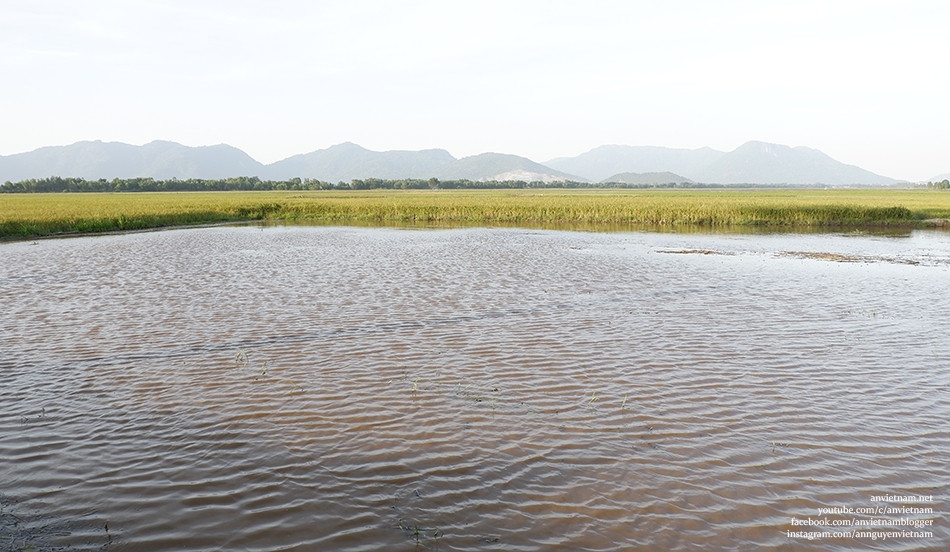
33, 215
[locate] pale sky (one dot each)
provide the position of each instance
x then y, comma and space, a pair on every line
867, 81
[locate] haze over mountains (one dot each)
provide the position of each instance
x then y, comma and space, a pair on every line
158, 159
751, 163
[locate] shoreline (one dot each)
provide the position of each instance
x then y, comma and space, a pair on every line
445, 224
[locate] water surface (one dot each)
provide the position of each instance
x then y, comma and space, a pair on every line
342, 388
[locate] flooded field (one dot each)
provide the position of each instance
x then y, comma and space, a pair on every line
362, 389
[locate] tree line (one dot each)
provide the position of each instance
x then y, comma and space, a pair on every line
56, 184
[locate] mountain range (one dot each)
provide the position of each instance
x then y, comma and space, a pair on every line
159, 159
751, 163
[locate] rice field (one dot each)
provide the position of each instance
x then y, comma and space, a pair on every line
34, 215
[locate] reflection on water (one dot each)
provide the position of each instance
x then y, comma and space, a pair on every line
343, 388
613, 227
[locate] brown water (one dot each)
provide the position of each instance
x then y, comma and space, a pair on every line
333, 388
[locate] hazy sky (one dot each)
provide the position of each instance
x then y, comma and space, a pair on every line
865, 81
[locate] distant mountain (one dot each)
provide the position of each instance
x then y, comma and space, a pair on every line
647, 178
762, 163
940, 177
347, 161
500, 166
344, 162
604, 161
750, 163
158, 159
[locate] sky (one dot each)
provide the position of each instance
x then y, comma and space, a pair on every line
866, 82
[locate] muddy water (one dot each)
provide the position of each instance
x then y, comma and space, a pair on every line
307, 388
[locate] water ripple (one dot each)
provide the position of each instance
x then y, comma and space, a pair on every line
365, 389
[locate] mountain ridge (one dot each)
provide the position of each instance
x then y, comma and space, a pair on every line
94, 160
751, 163
604, 161
765, 163
348, 161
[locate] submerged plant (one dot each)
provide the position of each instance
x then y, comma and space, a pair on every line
417, 533
778, 444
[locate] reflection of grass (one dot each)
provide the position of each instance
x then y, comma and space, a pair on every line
23, 215
824, 256
693, 251
846, 258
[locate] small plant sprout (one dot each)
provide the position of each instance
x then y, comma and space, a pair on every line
593, 398
417, 533
415, 385
778, 444
264, 368
624, 403
413, 531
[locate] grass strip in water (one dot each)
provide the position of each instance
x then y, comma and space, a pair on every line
33, 215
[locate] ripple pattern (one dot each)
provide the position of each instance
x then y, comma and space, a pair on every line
334, 388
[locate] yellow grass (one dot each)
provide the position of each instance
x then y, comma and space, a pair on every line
27, 215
